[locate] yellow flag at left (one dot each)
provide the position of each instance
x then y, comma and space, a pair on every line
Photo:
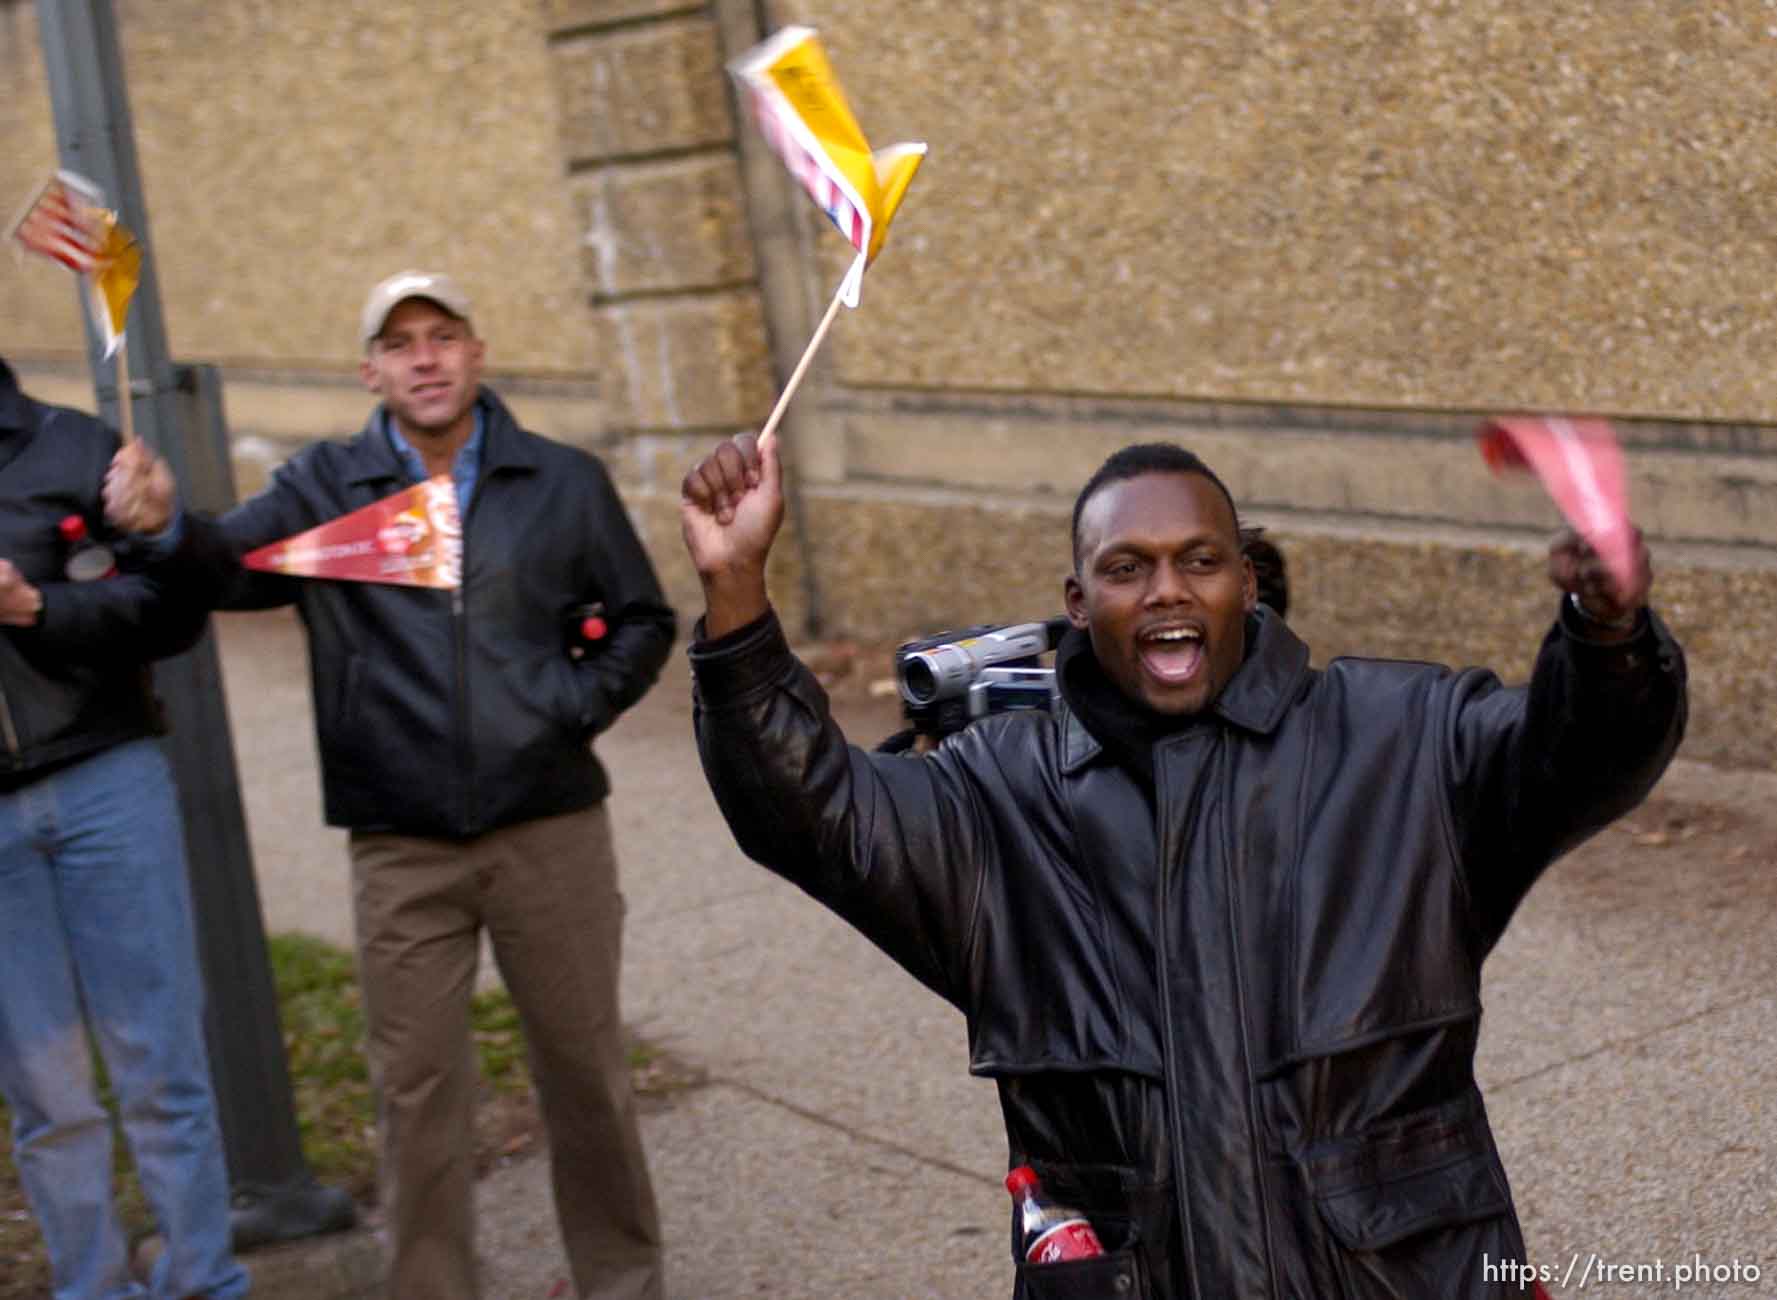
66, 221
113, 281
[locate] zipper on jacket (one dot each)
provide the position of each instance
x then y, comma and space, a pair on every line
1241, 1001
459, 630
1168, 1042
460, 652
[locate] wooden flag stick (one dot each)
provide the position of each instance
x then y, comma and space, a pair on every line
777, 412
126, 415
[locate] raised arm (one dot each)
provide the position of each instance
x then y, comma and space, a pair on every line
1537, 770
897, 846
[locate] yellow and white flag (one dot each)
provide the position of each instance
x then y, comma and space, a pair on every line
67, 222
803, 116
112, 284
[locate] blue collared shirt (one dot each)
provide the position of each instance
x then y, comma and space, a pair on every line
465, 468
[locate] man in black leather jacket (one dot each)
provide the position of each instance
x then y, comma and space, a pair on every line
455, 739
96, 928
1217, 925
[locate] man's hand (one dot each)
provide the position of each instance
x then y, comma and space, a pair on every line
20, 602
1575, 568
731, 505
139, 492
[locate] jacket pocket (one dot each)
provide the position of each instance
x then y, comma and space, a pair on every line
1128, 1214
1115, 1275
1415, 1207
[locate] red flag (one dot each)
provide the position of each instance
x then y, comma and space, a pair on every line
1581, 465
412, 538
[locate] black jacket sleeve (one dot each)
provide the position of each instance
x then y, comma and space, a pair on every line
205, 566
1535, 770
129, 618
895, 845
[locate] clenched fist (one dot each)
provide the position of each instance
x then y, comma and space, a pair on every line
731, 505
139, 492
1576, 568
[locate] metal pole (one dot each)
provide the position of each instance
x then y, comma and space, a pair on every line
179, 414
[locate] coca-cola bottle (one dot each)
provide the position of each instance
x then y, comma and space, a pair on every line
1048, 1232
87, 559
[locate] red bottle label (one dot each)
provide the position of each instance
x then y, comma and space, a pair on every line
1069, 1239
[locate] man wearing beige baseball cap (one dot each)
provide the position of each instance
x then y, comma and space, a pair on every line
455, 731
429, 286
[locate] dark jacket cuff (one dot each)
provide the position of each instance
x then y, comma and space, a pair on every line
1648, 644
734, 666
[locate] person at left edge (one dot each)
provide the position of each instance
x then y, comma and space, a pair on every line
96, 928
454, 735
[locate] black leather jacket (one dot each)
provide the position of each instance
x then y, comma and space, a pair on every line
450, 713
1239, 1030
77, 682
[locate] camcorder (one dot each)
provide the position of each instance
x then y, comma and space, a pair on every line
954, 678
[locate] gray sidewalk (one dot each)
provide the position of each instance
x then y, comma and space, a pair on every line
839, 1147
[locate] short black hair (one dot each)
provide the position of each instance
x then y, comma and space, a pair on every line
1142, 458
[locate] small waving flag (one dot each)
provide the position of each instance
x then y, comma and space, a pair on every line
60, 221
803, 115
67, 222
1581, 466
113, 283
412, 538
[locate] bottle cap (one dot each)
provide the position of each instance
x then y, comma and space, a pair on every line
1021, 1180
72, 528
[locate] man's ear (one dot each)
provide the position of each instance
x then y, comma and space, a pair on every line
370, 375
1075, 596
1249, 584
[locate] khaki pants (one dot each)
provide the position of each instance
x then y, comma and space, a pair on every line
546, 891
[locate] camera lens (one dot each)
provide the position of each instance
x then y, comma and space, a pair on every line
918, 682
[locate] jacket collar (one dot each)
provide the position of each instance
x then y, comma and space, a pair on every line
505, 446
1255, 700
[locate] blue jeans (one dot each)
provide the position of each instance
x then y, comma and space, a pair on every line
96, 934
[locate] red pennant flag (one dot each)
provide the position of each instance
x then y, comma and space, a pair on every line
412, 538
1581, 465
